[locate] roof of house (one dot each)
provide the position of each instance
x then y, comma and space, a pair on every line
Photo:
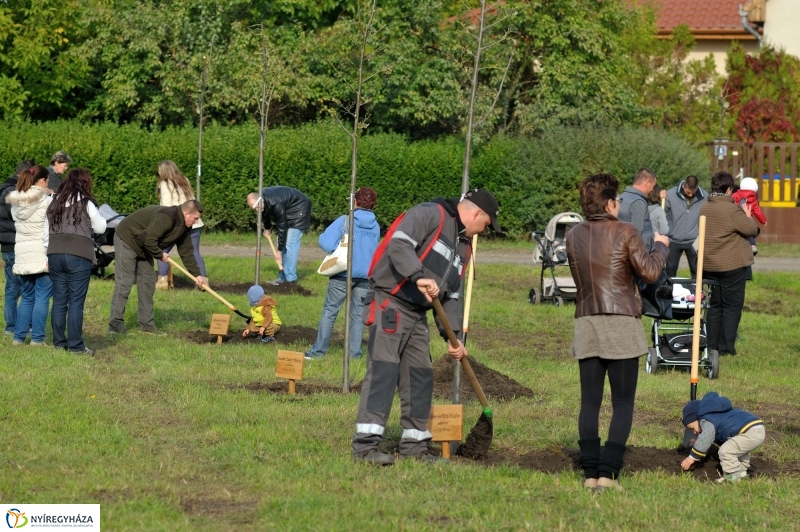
707, 19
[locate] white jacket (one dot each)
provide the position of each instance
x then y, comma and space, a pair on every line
29, 211
171, 198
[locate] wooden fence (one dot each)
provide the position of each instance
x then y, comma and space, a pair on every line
773, 164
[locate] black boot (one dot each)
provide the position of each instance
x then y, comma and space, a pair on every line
611, 460
590, 456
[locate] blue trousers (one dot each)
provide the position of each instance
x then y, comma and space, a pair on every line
291, 254
334, 299
12, 292
34, 306
70, 275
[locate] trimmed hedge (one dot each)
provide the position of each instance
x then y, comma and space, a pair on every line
532, 178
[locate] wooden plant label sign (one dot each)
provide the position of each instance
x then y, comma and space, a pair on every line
290, 365
219, 324
446, 422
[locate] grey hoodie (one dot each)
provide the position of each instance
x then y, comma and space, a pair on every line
683, 217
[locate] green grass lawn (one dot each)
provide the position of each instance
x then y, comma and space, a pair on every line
164, 435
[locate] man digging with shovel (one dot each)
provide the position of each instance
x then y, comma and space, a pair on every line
422, 257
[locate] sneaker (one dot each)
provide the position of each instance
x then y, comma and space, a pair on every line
162, 283
311, 356
428, 457
40, 344
115, 331
755, 250
374, 457
8, 333
267, 339
733, 477
18, 342
84, 351
277, 281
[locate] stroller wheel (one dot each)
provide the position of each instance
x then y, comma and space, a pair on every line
651, 361
558, 302
534, 297
713, 358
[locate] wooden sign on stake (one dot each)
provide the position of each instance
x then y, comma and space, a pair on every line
219, 326
290, 366
446, 424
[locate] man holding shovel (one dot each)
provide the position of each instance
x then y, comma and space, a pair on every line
422, 257
140, 238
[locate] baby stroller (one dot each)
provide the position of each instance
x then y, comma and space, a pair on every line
551, 251
104, 243
672, 337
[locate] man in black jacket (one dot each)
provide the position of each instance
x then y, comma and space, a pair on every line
8, 235
289, 210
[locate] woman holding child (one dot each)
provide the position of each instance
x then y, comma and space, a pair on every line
606, 256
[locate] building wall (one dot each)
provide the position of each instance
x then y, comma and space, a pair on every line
781, 25
719, 49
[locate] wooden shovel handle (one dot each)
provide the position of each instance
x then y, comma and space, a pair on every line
206, 287
274, 252
451, 336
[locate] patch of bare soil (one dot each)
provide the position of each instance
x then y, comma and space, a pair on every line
182, 283
539, 345
287, 335
495, 385
637, 459
773, 308
235, 511
282, 387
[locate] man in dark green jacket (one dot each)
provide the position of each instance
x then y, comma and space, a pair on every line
140, 238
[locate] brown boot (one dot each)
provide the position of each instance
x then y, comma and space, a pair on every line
162, 283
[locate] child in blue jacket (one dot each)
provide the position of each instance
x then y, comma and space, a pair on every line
736, 431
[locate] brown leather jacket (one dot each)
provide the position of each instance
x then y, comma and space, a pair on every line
606, 256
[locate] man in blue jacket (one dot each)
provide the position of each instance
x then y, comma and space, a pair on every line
289, 211
736, 431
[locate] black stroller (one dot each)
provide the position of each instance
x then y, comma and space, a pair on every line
551, 251
672, 335
104, 243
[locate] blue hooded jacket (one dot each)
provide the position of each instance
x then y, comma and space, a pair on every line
366, 236
727, 421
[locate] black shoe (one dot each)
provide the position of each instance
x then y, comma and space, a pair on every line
84, 351
428, 457
154, 332
374, 457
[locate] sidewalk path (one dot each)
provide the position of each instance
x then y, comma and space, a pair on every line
508, 256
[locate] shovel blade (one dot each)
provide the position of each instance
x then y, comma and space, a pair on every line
479, 439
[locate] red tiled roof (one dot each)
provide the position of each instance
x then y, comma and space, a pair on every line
704, 17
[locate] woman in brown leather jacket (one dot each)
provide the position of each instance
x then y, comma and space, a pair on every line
606, 257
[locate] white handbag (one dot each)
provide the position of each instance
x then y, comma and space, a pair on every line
335, 262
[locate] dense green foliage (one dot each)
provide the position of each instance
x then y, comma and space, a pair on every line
575, 62
532, 178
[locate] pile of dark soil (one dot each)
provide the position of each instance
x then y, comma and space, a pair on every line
182, 283
637, 459
495, 385
287, 335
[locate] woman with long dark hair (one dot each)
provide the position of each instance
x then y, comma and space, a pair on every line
29, 204
606, 256
71, 219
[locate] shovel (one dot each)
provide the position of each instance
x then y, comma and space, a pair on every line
206, 288
689, 436
274, 252
479, 439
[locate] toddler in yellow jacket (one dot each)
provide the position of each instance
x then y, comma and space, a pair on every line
264, 320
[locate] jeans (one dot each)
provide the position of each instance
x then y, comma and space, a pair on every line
291, 254
725, 310
163, 267
70, 275
674, 258
12, 292
334, 299
34, 307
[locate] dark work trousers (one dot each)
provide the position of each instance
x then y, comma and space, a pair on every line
623, 376
129, 268
398, 359
674, 258
725, 311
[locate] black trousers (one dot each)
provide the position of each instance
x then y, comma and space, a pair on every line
725, 311
623, 375
674, 258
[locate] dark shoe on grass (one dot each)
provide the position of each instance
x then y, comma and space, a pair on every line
374, 457
153, 332
84, 351
428, 457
